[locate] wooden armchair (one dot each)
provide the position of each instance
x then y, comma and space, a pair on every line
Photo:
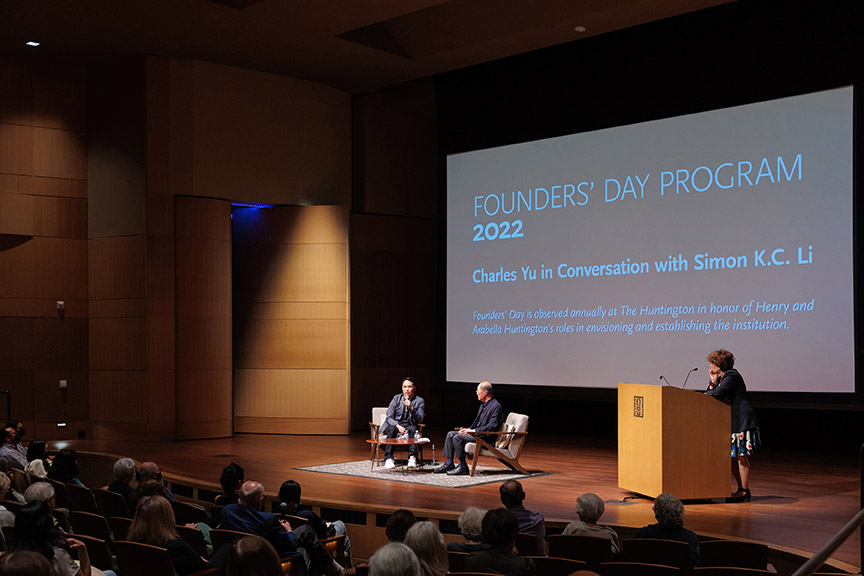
507, 445
379, 415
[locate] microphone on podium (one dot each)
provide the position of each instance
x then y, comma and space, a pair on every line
664, 379
688, 377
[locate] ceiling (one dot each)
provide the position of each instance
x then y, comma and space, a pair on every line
360, 46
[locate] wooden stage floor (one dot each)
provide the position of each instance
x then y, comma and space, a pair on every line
799, 500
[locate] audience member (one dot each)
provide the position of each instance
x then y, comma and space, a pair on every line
398, 524
25, 563
37, 451
154, 524
231, 479
124, 472
253, 556
394, 559
7, 518
289, 496
426, 541
149, 487
589, 508
41, 492
530, 522
12, 450
35, 531
499, 531
669, 512
470, 526
247, 516
65, 467
150, 471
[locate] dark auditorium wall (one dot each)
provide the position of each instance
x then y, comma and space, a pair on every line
43, 245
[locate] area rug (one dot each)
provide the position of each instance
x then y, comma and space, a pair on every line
361, 468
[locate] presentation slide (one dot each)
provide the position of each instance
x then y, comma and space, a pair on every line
625, 254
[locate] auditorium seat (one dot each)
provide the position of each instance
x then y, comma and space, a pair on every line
90, 524
551, 566
656, 551
134, 559
733, 553
110, 503
589, 549
728, 571
636, 569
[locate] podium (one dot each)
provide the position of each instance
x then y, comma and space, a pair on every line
673, 440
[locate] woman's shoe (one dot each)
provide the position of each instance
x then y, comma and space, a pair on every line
739, 496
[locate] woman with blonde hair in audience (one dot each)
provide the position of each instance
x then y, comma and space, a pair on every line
154, 524
426, 541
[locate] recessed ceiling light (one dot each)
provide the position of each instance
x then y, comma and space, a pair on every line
32, 43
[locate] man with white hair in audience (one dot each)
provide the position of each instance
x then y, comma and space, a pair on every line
124, 472
669, 512
589, 508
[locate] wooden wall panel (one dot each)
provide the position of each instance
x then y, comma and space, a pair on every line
119, 396
306, 343
118, 344
43, 200
16, 142
291, 325
291, 393
59, 154
117, 268
203, 324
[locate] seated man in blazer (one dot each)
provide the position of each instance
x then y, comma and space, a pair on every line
404, 414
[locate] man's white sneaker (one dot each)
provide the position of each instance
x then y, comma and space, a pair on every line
389, 464
412, 462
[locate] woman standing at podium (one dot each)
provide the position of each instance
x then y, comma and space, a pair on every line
727, 385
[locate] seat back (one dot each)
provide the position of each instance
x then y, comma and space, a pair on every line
456, 561
379, 415
90, 524
61, 495
656, 551
551, 566
119, 526
186, 513
733, 553
219, 537
296, 521
110, 503
526, 544
215, 515
589, 549
637, 569
728, 571
20, 479
134, 559
193, 537
98, 551
81, 498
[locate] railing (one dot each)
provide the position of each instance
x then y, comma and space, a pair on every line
825, 552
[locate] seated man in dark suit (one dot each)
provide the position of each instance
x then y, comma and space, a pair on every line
488, 419
247, 516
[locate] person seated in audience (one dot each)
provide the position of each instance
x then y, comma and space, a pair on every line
247, 515
7, 518
150, 471
149, 487
11, 450
124, 471
231, 479
589, 508
44, 492
65, 467
289, 496
154, 524
394, 559
426, 541
530, 522
38, 459
253, 556
11, 494
499, 531
470, 525
398, 524
35, 531
25, 563
669, 512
